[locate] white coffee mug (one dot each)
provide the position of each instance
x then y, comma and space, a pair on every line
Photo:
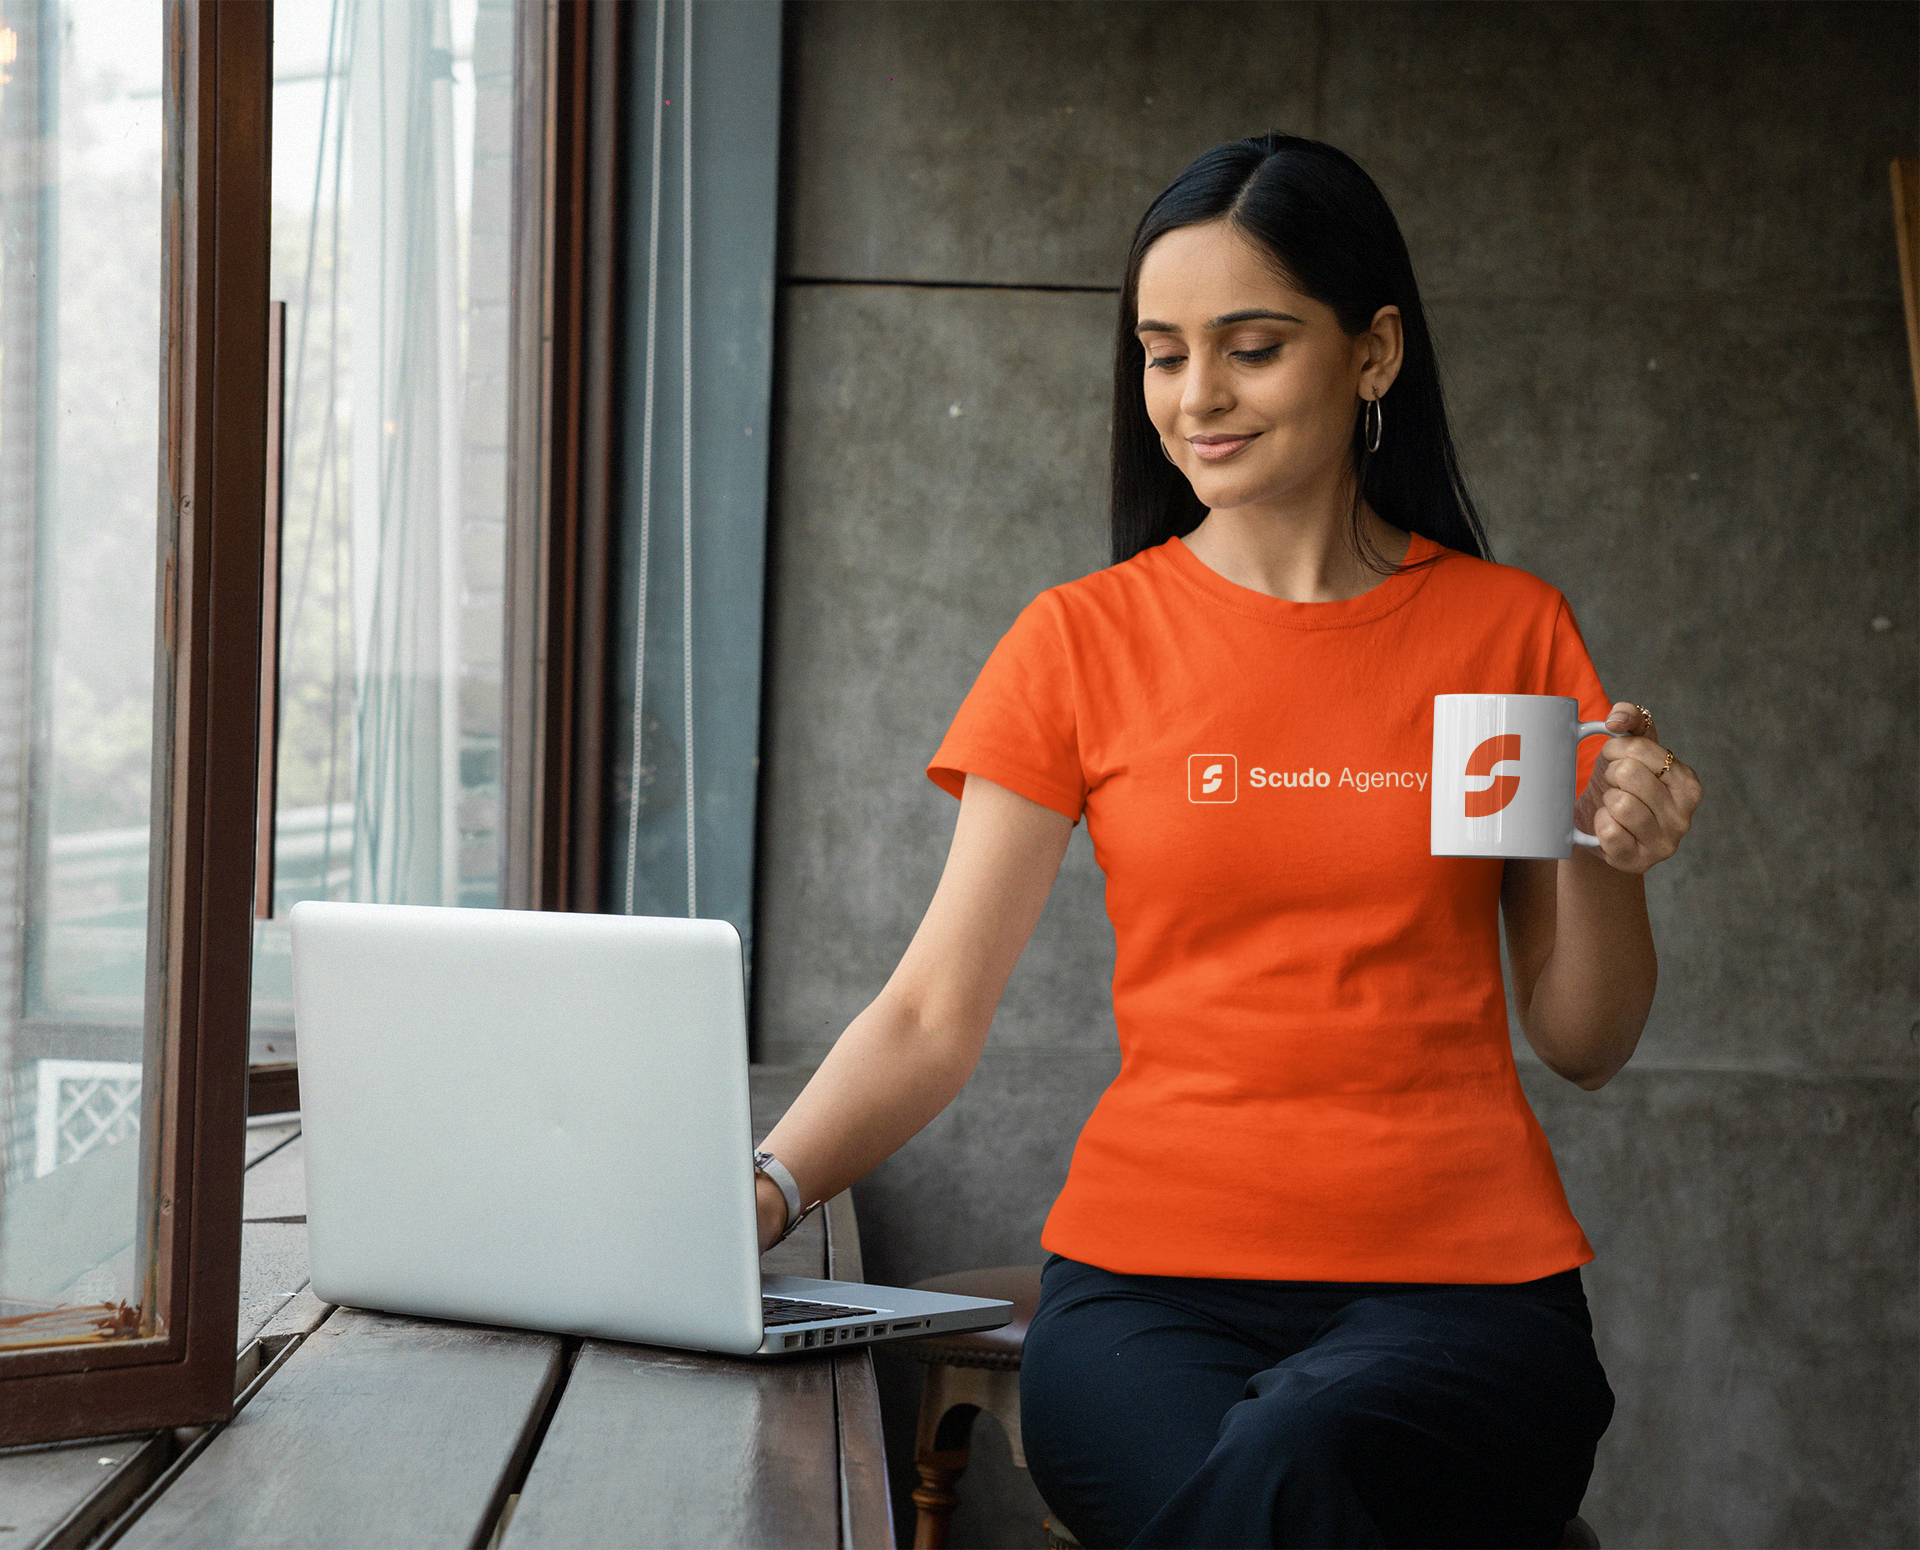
1503, 774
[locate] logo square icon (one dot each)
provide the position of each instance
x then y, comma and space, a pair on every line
1213, 777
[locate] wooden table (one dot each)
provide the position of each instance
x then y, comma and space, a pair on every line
359, 1428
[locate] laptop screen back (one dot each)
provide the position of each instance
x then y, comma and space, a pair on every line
531, 1119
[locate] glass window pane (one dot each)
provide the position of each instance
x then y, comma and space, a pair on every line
80, 322
391, 240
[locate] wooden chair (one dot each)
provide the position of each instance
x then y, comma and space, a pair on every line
969, 1373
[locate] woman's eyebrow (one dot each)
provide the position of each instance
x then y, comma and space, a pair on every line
1249, 313
1226, 319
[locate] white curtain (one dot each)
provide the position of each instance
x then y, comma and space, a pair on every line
406, 454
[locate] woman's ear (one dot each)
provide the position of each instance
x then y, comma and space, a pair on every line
1383, 346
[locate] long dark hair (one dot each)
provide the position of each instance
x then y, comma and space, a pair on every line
1330, 232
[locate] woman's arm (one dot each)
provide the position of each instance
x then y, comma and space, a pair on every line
1578, 940
902, 1060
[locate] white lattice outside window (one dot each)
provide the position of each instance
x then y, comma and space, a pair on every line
83, 1105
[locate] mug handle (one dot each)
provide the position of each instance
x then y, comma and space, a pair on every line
1585, 730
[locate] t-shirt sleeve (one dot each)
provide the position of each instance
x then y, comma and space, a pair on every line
1017, 726
1570, 671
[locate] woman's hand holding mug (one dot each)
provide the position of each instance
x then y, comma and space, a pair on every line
1640, 802
1503, 771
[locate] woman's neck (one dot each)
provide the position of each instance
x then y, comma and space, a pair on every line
1302, 558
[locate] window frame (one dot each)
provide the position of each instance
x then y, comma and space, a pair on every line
216, 188
571, 57
560, 440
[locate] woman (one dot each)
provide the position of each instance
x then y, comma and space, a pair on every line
1313, 1278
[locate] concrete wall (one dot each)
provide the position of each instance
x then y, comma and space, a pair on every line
1657, 247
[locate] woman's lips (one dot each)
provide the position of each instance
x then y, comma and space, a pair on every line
1215, 448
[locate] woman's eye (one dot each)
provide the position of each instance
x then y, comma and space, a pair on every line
1164, 362
1255, 357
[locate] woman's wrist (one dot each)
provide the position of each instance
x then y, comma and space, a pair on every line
770, 1209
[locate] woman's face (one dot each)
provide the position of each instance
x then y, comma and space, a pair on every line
1253, 386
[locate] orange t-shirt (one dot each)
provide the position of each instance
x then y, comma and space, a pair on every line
1316, 1080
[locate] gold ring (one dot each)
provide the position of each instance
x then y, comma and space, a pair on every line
1665, 767
1649, 715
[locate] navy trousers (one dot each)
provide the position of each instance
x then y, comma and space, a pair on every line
1167, 1410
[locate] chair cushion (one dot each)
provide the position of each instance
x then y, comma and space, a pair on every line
1017, 1284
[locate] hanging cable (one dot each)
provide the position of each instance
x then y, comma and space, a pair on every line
686, 428
646, 454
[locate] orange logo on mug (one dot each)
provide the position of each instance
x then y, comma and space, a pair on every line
1491, 798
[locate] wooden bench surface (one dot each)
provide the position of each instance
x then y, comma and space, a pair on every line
377, 1428
361, 1427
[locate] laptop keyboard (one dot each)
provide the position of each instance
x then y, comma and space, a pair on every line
797, 1310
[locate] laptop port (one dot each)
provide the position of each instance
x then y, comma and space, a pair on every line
860, 1333
813, 1337
910, 1324
792, 1341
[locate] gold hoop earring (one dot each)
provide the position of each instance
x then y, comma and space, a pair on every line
1168, 455
1374, 422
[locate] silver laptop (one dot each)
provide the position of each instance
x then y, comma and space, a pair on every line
541, 1120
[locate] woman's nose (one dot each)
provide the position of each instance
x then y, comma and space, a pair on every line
1206, 389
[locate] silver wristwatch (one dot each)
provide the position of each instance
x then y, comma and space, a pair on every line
773, 1168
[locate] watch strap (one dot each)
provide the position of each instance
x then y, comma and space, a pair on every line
773, 1168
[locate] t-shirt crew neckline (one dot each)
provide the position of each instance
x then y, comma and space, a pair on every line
1377, 602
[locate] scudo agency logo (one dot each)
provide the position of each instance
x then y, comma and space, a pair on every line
1213, 777
1500, 789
